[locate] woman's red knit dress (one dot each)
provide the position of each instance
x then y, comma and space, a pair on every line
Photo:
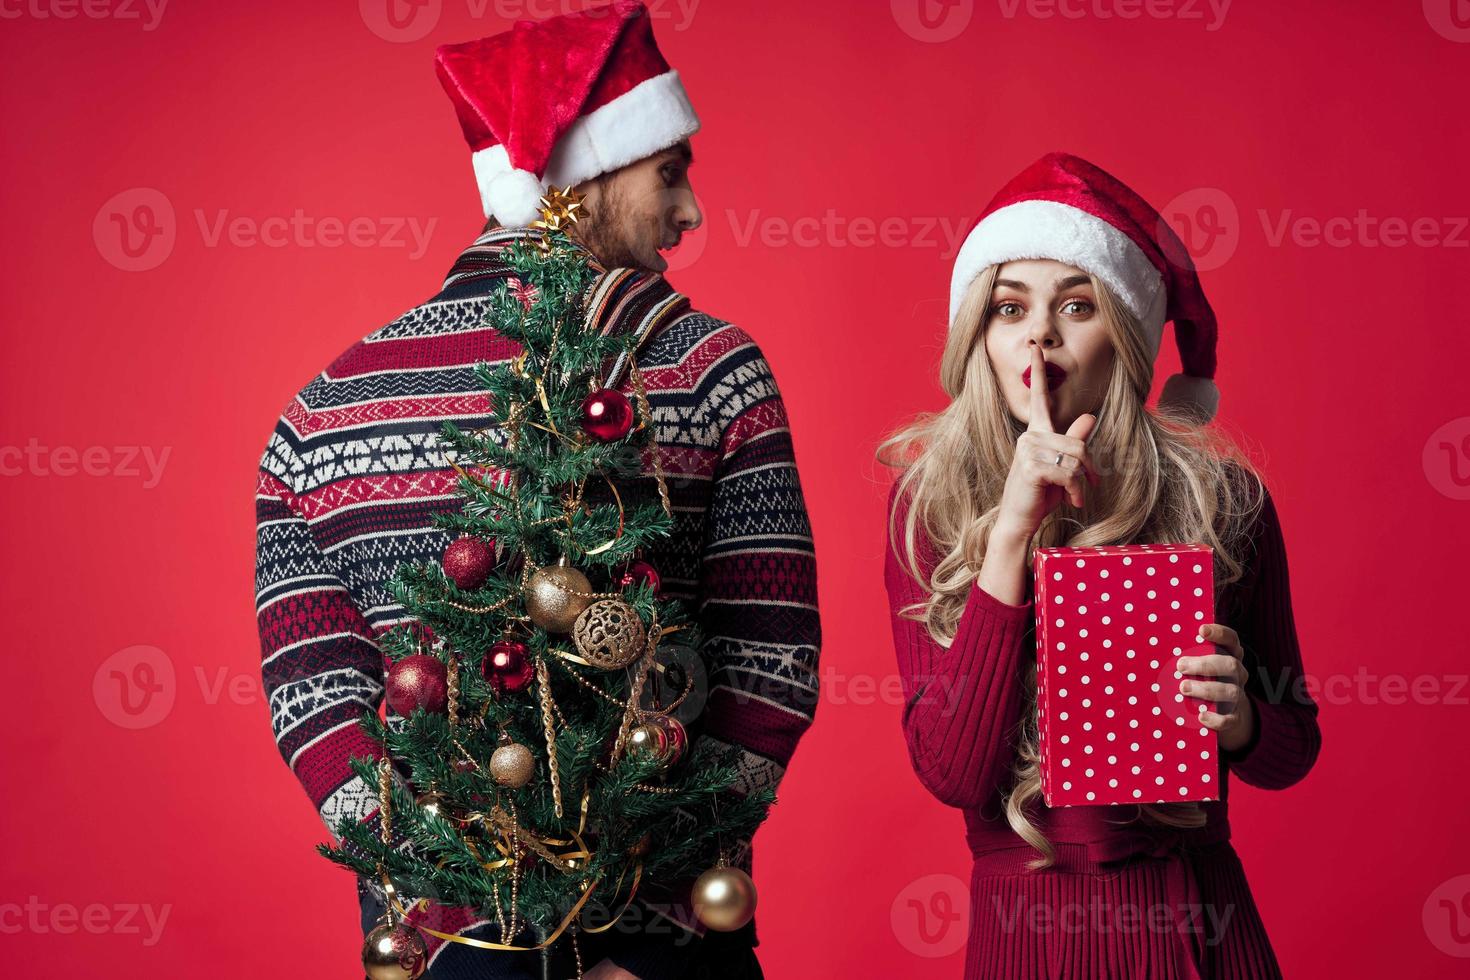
1121, 901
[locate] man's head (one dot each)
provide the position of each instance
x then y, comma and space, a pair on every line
585, 100
635, 212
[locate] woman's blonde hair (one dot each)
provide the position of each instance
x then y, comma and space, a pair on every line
1165, 478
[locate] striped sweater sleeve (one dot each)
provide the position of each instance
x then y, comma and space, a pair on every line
321, 670
757, 595
319, 664
961, 704
1285, 738
758, 586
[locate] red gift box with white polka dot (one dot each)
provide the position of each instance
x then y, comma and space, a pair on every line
1110, 622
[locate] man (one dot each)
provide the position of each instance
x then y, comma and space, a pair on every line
353, 474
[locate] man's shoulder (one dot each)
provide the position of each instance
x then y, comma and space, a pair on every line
704, 346
418, 365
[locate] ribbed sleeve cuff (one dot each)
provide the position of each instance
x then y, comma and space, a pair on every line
1280, 751
1241, 756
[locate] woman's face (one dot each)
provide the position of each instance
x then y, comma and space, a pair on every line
1048, 304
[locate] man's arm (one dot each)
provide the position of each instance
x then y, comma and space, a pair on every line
758, 588
321, 670
758, 592
319, 664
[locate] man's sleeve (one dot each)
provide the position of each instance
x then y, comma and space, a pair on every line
321, 670
758, 591
319, 664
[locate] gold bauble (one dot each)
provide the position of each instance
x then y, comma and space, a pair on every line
556, 596
512, 765
724, 898
394, 952
609, 634
648, 739
433, 802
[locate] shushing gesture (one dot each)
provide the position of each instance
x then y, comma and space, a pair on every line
1048, 465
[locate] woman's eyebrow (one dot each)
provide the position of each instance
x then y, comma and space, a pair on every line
1067, 283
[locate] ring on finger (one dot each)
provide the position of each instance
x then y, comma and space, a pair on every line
1059, 459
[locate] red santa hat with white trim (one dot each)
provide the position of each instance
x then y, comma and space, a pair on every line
560, 101
1064, 208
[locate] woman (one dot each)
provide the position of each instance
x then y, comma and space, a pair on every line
1057, 307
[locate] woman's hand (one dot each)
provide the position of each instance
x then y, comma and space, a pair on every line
608, 970
1226, 686
1047, 465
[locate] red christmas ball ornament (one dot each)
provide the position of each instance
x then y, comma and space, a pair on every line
507, 666
638, 572
607, 415
419, 681
468, 562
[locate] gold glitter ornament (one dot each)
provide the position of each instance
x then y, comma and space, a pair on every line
556, 596
609, 634
512, 764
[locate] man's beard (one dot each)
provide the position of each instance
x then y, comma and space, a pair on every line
604, 231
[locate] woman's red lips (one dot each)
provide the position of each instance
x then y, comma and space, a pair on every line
1055, 375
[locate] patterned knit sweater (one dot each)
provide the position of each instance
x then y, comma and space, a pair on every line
352, 476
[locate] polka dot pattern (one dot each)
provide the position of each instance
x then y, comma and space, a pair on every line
1139, 739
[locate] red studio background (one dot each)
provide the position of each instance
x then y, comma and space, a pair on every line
168, 286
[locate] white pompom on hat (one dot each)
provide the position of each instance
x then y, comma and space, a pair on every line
1064, 208
560, 101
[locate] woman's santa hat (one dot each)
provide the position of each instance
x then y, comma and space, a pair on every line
561, 101
1064, 208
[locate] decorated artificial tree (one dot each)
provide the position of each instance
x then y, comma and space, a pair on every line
544, 680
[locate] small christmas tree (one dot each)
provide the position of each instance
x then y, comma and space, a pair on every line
541, 669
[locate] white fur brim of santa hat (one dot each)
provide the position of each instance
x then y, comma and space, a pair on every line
1068, 210
1048, 230
652, 116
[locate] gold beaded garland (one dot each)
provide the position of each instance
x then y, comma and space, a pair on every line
609, 634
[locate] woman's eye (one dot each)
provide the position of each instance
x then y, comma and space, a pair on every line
1077, 307
1008, 309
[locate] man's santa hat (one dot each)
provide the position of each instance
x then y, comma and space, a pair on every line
1064, 208
561, 101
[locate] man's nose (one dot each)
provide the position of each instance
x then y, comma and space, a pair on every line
687, 215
